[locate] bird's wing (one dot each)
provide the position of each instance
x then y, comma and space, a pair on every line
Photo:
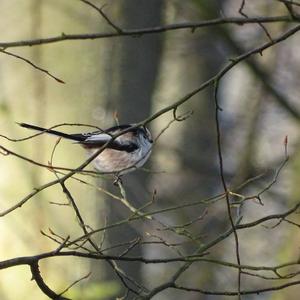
97, 138
100, 139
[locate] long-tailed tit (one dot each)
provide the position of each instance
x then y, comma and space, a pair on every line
122, 155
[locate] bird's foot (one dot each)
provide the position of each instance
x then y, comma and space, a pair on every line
117, 180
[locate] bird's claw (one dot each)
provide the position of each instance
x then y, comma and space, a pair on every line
117, 180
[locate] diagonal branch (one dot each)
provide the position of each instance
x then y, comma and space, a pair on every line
107, 19
32, 64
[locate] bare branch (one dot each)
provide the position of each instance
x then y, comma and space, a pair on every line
36, 276
32, 64
292, 2
75, 282
224, 184
243, 292
100, 10
150, 30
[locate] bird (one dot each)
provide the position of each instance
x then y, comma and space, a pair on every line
126, 153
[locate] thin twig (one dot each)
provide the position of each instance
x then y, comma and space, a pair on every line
107, 19
226, 191
32, 64
259, 23
75, 282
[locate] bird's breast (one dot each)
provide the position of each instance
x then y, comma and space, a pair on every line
114, 161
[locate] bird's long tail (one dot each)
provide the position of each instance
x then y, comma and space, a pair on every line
74, 137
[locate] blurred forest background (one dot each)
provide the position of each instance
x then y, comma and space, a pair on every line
131, 78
